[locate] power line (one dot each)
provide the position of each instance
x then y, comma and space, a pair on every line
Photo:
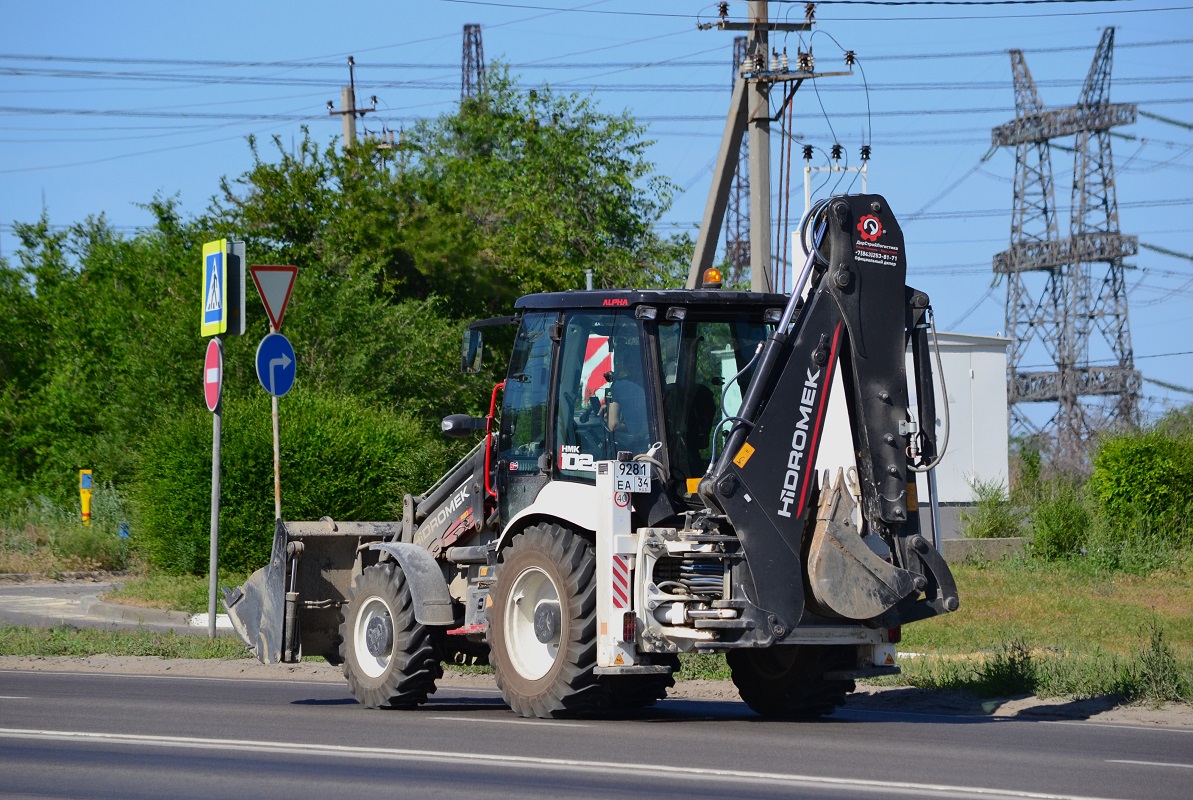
1165, 251
1165, 384
246, 80
495, 4
147, 113
546, 63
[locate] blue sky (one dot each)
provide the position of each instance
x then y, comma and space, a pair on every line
102, 106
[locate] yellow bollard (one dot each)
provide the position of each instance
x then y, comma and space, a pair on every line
85, 494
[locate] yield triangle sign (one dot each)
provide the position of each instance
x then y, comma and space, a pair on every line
274, 284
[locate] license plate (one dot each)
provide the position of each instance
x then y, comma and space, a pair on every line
632, 476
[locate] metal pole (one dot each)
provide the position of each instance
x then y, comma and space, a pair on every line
277, 457
934, 505
213, 566
277, 470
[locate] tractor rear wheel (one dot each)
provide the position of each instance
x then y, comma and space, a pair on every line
390, 659
788, 682
542, 626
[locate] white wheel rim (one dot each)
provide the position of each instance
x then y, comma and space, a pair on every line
371, 665
531, 658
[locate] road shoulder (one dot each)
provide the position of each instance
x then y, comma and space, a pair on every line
868, 698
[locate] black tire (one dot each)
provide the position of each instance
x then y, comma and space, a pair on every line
397, 666
788, 682
546, 672
641, 691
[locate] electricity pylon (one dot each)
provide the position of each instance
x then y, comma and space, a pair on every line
1065, 313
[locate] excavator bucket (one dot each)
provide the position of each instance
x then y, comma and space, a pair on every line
845, 576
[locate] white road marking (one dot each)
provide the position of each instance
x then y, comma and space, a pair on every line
1148, 763
13, 697
552, 723
452, 758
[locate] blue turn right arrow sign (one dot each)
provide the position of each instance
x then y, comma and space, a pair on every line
276, 364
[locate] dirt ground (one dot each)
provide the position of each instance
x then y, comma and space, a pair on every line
902, 699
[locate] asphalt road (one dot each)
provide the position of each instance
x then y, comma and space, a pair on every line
101, 735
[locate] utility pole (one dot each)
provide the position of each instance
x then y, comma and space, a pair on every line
749, 111
472, 62
348, 111
1065, 311
759, 120
737, 226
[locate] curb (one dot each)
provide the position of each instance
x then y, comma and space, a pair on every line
116, 612
141, 616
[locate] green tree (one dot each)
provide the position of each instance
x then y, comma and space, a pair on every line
551, 186
101, 342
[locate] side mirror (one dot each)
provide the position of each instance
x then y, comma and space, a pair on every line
457, 426
470, 360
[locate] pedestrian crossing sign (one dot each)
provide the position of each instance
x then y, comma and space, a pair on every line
215, 289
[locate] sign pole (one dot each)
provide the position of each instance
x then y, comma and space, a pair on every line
214, 561
277, 455
222, 314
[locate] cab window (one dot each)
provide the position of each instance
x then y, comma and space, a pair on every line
527, 391
699, 359
604, 403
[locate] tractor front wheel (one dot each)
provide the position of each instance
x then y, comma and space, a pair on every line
542, 625
389, 658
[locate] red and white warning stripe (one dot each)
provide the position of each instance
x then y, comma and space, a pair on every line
597, 361
621, 582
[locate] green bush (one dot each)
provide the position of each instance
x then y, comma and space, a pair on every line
1059, 521
1161, 677
339, 458
992, 516
1144, 481
1009, 670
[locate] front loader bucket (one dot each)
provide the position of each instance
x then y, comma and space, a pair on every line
845, 576
292, 606
257, 608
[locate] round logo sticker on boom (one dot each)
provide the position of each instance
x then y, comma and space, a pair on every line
213, 374
276, 364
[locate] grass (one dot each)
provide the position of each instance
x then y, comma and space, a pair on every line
1059, 629
1061, 607
42, 539
1151, 674
79, 642
170, 592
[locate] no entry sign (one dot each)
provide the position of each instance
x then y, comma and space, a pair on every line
213, 374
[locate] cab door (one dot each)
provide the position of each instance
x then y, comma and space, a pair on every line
523, 464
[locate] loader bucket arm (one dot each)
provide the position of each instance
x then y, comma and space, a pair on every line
856, 318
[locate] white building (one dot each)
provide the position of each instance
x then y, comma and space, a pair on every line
975, 370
